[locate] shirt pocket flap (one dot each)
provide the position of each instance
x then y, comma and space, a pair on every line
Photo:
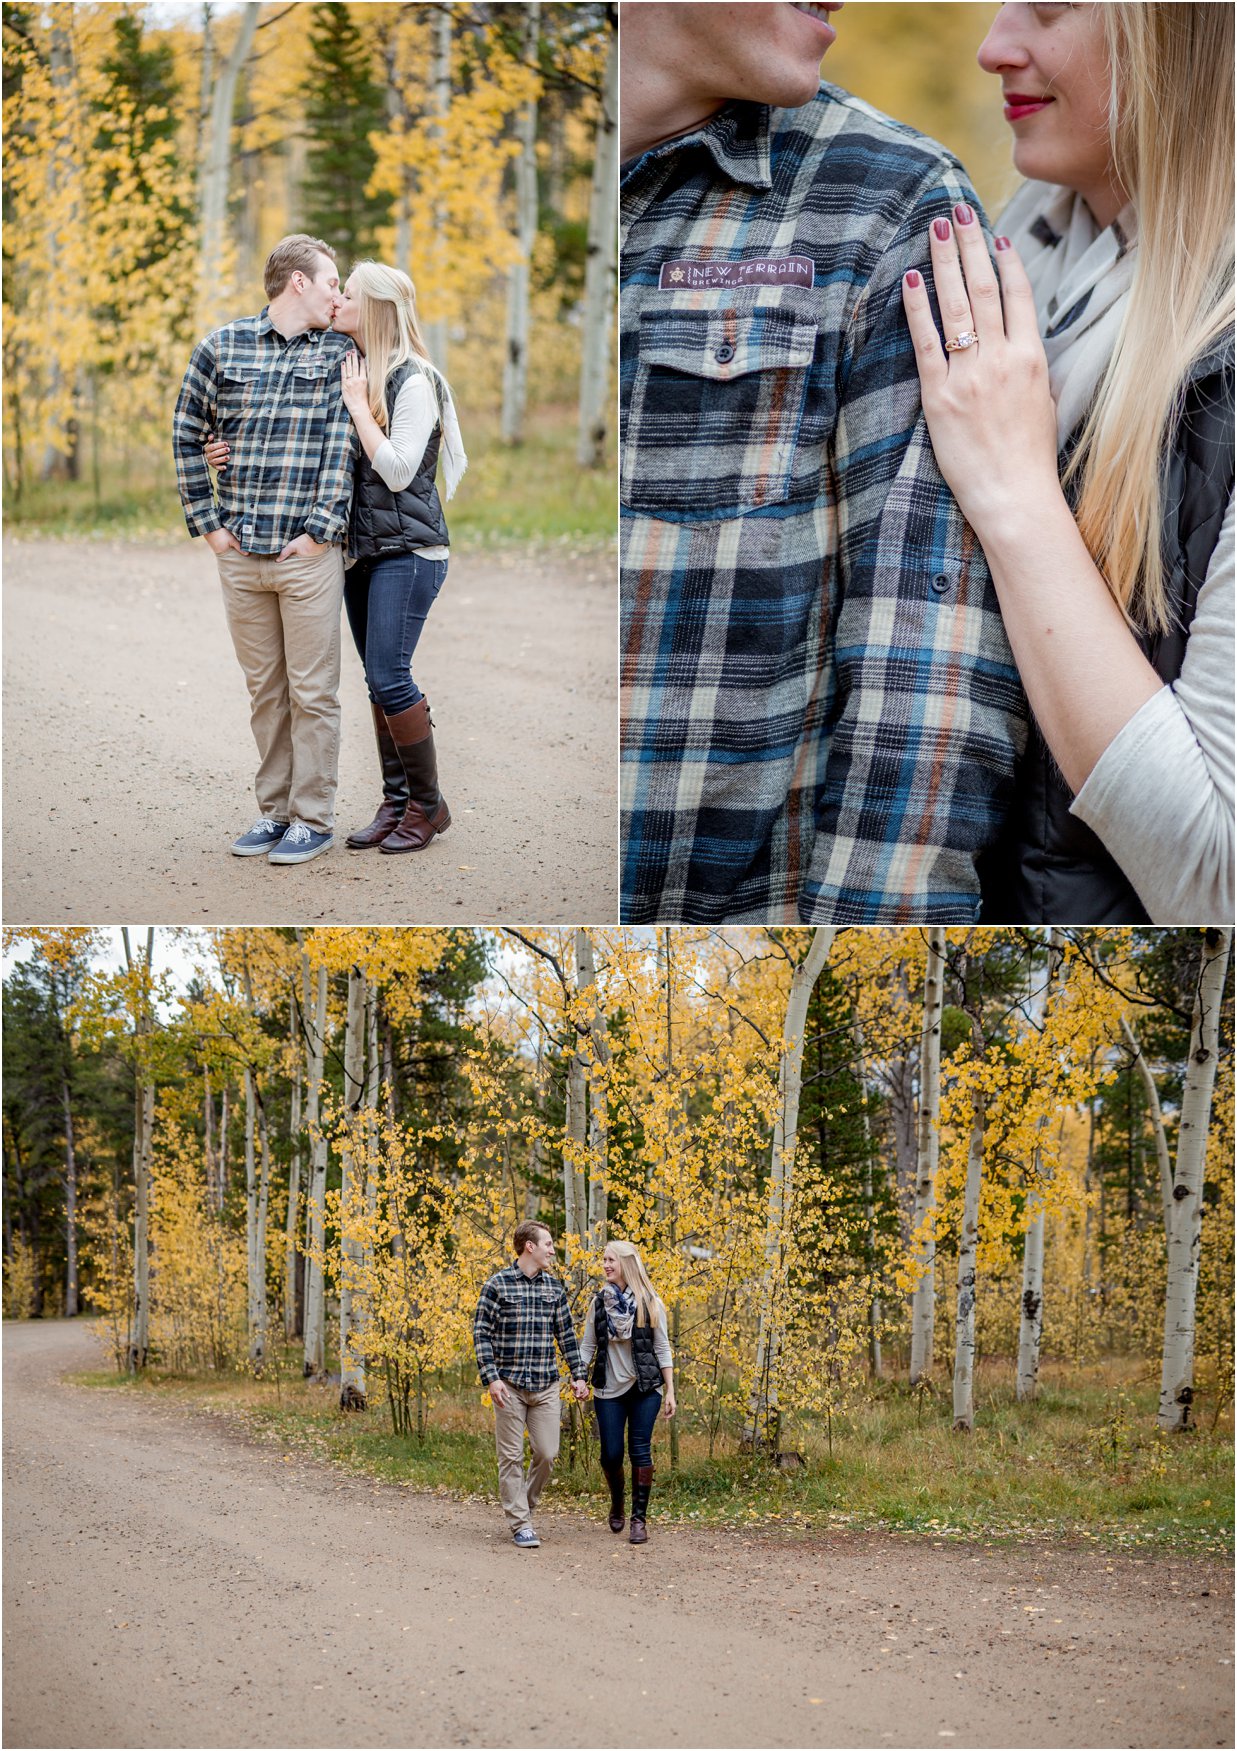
729, 343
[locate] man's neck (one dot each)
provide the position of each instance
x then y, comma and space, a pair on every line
287, 316
655, 108
529, 1266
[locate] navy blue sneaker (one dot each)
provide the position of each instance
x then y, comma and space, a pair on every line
526, 1539
300, 843
262, 837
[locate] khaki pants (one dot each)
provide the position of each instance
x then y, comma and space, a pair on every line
539, 1413
284, 619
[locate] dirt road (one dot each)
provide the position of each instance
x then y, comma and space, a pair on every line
168, 1583
129, 764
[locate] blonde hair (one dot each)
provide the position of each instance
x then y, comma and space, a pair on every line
649, 1310
389, 332
1171, 134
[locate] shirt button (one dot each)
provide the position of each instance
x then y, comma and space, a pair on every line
724, 353
940, 583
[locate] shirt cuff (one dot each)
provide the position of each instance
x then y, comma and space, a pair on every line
324, 528
203, 522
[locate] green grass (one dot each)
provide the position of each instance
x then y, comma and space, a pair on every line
533, 495
1084, 1463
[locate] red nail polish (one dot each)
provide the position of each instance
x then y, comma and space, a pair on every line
941, 227
912, 278
1002, 242
963, 214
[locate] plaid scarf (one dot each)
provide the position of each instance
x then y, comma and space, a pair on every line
620, 1306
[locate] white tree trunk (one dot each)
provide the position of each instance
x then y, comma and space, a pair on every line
217, 159
968, 1251
293, 1218
315, 1045
515, 357
440, 77
1185, 1233
70, 1204
351, 1196
1031, 1317
923, 1299
598, 1126
869, 1217
599, 275
762, 1415
255, 1254
143, 1137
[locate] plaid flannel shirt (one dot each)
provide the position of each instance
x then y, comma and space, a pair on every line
279, 405
821, 713
513, 1332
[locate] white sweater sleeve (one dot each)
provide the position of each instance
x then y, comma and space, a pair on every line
413, 419
1160, 796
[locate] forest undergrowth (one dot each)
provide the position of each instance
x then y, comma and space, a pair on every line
1084, 1462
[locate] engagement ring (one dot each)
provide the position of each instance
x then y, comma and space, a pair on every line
960, 342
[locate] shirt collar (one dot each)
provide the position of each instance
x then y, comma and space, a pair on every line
737, 140
311, 336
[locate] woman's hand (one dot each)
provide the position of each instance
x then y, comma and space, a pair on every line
217, 452
354, 383
988, 405
668, 1406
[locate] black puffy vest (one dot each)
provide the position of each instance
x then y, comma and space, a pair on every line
643, 1355
397, 522
1049, 867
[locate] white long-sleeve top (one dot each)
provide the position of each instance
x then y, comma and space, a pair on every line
1161, 795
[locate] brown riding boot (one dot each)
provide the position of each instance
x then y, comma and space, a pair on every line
426, 812
395, 793
618, 1491
641, 1485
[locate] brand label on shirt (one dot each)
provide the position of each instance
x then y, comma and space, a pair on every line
780, 270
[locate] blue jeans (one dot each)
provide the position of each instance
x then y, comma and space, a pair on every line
387, 599
637, 1412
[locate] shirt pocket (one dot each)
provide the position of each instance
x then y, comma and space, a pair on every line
238, 388
716, 407
307, 384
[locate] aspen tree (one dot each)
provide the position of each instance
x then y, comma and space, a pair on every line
515, 354
1031, 1322
763, 1409
1185, 1233
923, 1223
138, 967
216, 164
315, 1045
968, 1239
351, 1194
292, 1257
600, 271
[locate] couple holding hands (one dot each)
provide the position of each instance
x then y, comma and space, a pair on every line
521, 1314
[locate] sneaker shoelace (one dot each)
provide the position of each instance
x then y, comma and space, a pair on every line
298, 834
265, 825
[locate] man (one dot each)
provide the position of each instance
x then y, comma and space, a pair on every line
270, 386
520, 1314
821, 712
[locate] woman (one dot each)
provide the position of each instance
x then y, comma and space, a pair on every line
625, 1339
397, 540
1095, 464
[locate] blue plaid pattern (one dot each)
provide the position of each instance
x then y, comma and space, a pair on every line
516, 1323
821, 713
278, 404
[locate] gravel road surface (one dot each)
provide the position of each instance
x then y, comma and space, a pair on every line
128, 766
169, 1582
